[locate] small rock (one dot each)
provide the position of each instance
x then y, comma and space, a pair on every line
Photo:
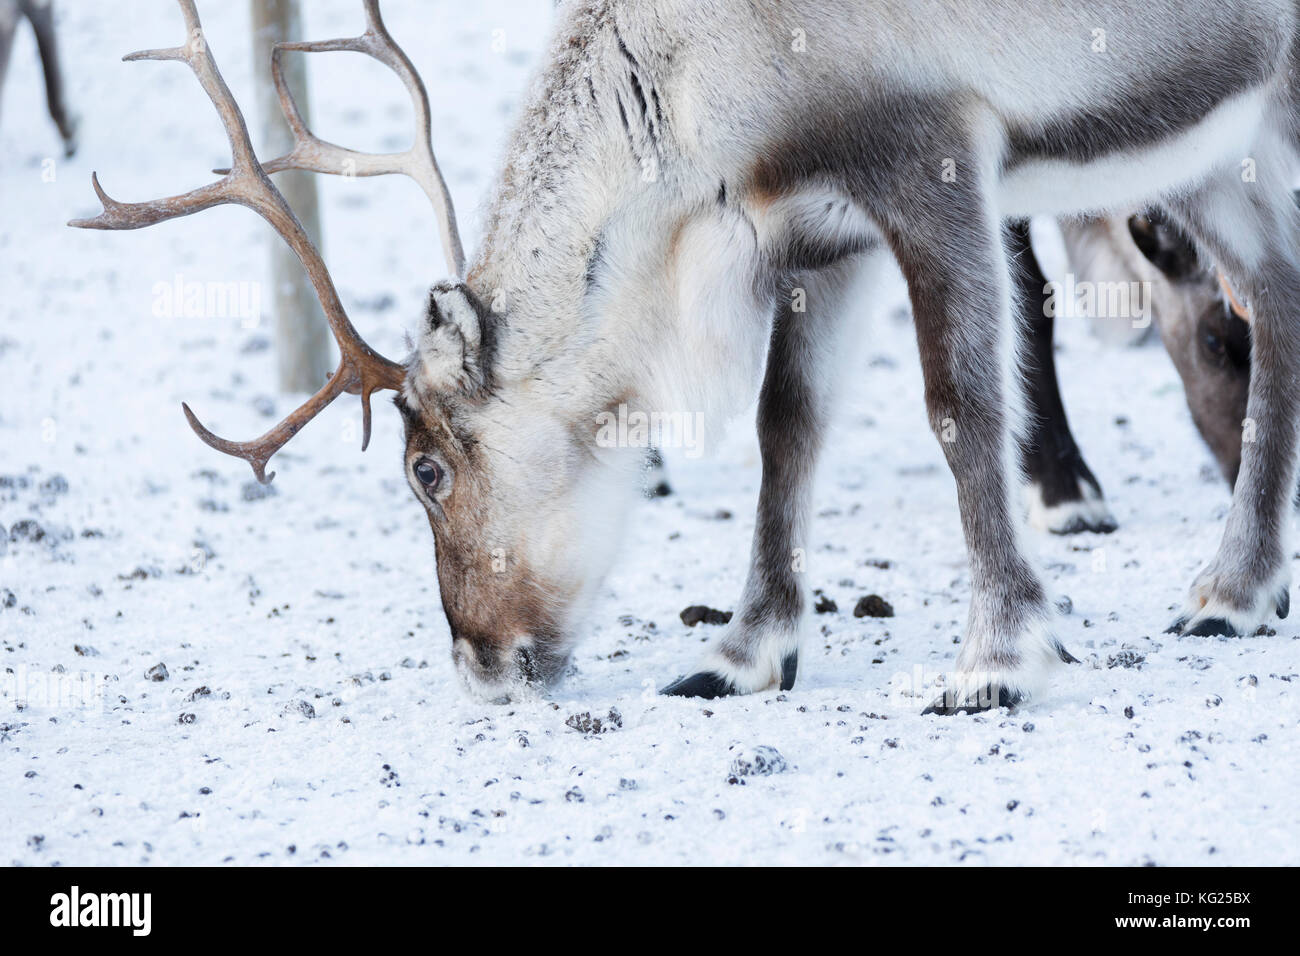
761, 761
256, 491
85, 650
586, 724
873, 605
186, 719
1126, 658
574, 796
157, 673
302, 707
54, 485
825, 605
698, 613
26, 530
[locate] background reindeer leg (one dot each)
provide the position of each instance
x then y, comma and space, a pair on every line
8, 27
41, 16
951, 252
1064, 495
760, 647
1252, 230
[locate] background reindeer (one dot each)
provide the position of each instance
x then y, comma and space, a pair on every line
40, 13
681, 171
1202, 326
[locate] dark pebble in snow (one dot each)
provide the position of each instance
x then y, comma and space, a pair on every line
626, 783
873, 605
574, 796
85, 650
825, 605
8, 598
256, 491
186, 719
26, 530
157, 673
586, 724
762, 761
698, 613
301, 707
1126, 658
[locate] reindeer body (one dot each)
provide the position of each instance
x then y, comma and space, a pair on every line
682, 166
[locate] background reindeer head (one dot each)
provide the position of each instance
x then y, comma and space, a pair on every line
1204, 329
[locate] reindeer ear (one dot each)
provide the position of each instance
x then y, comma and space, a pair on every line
451, 351
1165, 246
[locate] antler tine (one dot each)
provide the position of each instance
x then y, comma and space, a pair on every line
313, 154
361, 370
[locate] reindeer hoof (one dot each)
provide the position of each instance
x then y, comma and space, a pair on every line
705, 685
789, 670
986, 698
1177, 626
1211, 627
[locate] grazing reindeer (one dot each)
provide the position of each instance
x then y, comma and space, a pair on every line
1203, 326
685, 196
40, 13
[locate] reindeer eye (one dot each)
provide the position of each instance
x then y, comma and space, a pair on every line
428, 472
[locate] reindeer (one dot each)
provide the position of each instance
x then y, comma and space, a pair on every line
40, 13
684, 173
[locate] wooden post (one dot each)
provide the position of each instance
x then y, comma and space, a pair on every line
302, 339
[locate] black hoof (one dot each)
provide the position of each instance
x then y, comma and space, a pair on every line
987, 698
1065, 655
1079, 525
1177, 626
705, 684
1284, 603
1211, 627
789, 670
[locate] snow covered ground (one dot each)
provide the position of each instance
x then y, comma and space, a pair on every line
309, 713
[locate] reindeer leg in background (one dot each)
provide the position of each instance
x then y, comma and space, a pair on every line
760, 646
1064, 496
8, 27
1252, 230
41, 16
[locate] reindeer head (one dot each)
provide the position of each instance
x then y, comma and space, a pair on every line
513, 493
510, 487
1207, 334
1203, 327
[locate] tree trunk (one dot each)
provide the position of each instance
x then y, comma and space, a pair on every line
302, 338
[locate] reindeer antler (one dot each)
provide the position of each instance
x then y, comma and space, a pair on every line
313, 154
361, 369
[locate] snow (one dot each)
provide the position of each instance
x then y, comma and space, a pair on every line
309, 712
